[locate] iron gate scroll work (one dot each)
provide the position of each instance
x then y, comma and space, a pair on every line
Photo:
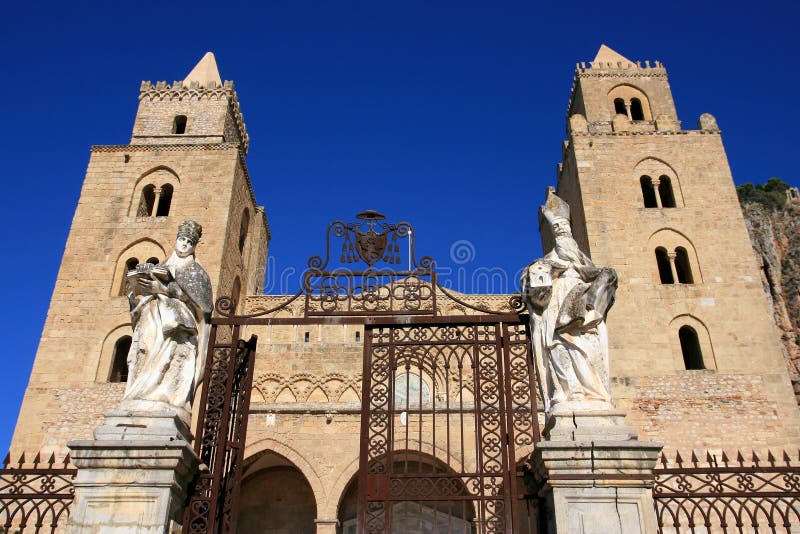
445, 405
221, 430
466, 387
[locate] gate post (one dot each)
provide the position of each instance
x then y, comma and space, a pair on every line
133, 476
594, 475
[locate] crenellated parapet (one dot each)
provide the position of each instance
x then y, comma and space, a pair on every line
194, 92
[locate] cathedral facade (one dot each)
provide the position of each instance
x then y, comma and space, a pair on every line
695, 357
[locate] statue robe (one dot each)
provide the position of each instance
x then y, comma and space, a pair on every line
166, 361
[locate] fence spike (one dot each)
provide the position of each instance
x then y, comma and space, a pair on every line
663, 460
739, 458
712, 460
67, 460
770, 458
694, 458
755, 459
52, 459
21, 460
37, 459
725, 459
786, 457
678, 459
7, 460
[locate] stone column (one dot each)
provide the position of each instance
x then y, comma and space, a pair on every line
132, 477
326, 526
673, 268
595, 476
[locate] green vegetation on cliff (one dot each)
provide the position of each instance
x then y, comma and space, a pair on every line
771, 195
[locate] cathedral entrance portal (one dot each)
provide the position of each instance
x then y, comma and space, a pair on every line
448, 402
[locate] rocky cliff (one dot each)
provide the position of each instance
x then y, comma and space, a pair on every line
775, 234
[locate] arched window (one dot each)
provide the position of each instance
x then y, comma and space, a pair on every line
637, 113
243, 227
690, 347
648, 192
179, 124
619, 107
119, 365
682, 267
664, 267
154, 261
130, 264
307, 337
164, 200
147, 201
665, 192
358, 337
409, 389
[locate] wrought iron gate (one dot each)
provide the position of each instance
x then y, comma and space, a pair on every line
446, 402
221, 430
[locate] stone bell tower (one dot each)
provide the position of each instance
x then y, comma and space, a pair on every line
186, 159
694, 354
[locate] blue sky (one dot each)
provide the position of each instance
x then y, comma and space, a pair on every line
447, 114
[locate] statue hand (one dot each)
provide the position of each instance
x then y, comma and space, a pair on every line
152, 286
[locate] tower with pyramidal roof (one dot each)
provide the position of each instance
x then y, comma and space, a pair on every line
694, 353
186, 159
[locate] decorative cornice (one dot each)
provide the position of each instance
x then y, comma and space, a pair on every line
167, 148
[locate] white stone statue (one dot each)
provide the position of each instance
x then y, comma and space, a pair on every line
568, 299
171, 307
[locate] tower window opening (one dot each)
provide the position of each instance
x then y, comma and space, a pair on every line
179, 124
664, 267
619, 107
682, 267
130, 265
690, 347
119, 366
153, 261
147, 201
637, 113
243, 228
358, 337
307, 337
665, 192
164, 201
648, 192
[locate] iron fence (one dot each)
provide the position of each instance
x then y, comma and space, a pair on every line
715, 493
35, 496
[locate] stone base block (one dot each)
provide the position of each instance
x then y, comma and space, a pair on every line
166, 424
606, 425
130, 486
597, 487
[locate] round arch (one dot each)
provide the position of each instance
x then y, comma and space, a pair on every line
157, 176
276, 495
671, 240
703, 336
627, 93
256, 450
141, 249
655, 168
107, 350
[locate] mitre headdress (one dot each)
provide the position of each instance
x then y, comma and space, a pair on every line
191, 230
553, 208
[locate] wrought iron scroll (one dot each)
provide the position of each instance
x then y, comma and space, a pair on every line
35, 497
717, 494
220, 434
445, 406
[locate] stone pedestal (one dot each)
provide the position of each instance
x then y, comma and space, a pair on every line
596, 477
133, 477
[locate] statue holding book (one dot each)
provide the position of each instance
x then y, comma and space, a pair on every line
171, 307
